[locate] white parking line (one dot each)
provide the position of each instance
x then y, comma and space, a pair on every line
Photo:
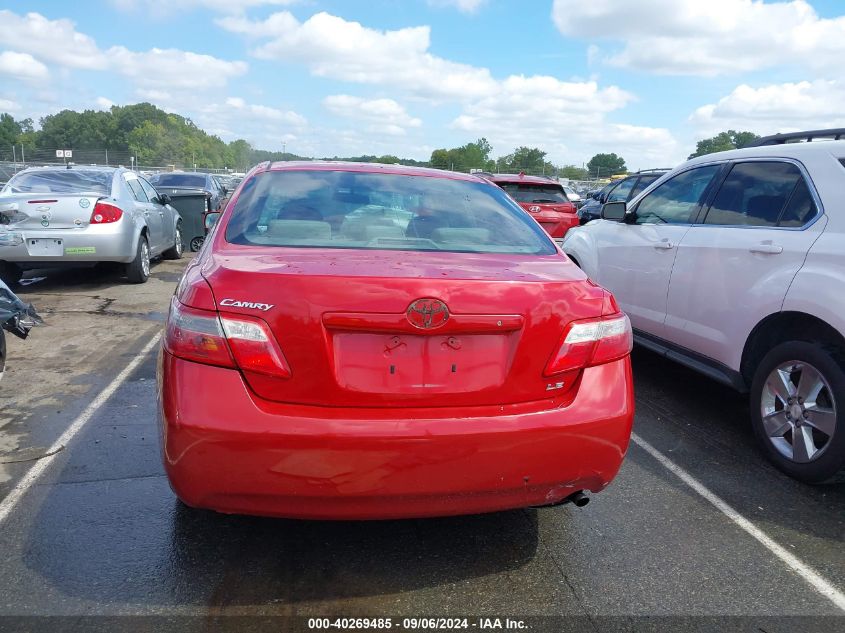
32, 475
818, 582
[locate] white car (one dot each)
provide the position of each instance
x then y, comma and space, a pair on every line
734, 265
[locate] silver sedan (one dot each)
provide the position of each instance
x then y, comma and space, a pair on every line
55, 215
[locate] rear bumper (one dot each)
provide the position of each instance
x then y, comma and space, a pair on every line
226, 451
106, 243
556, 224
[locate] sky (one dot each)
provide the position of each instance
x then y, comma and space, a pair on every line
644, 79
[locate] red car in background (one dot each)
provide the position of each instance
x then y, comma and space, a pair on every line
544, 198
362, 341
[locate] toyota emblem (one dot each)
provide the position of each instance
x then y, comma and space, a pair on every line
427, 314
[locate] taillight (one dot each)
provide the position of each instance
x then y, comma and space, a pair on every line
196, 335
206, 337
592, 342
105, 213
255, 347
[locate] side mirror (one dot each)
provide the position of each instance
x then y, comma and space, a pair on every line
614, 211
163, 198
211, 220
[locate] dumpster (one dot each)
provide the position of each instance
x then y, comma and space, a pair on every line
192, 205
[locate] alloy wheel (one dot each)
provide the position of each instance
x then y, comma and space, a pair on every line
798, 411
145, 259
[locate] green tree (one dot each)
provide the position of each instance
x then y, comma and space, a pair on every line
470, 156
573, 172
10, 131
723, 141
606, 165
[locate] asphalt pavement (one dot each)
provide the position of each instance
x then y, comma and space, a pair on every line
99, 536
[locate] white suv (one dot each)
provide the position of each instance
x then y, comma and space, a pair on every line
734, 265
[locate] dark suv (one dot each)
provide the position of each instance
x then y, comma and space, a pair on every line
621, 190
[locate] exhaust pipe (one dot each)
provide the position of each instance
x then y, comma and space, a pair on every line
578, 498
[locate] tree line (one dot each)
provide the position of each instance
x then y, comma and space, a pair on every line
155, 137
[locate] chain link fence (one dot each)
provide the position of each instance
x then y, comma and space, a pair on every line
13, 162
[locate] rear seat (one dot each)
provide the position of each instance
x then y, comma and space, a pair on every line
461, 236
300, 229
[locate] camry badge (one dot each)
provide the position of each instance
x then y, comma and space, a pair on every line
232, 303
427, 314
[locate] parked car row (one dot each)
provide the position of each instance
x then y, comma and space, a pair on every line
732, 264
50, 216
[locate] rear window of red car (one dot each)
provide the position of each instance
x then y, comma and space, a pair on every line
350, 209
535, 193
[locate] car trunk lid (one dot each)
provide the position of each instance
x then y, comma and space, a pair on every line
397, 328
47, 211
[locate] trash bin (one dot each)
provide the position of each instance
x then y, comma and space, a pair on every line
192, 205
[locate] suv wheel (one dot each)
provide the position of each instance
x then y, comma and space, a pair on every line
798, 411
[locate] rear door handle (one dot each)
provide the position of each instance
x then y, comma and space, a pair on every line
664, 245
767, 249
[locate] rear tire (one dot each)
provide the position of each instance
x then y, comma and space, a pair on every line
798, 411
138, 270
10, 273
175, 251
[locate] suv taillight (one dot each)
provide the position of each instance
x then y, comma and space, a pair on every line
206, 337
592, 342
105, 213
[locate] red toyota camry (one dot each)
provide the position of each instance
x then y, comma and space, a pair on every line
361, 341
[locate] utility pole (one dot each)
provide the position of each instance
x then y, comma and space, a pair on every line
15, 157
23, 156
107, 157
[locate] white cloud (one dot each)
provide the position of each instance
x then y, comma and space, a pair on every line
7, 105
339, 49
384, 116
104, 104
55, 41
265, 113
173, 69
775, 108
22, 66
161, 8
715, 37
568, 120
464, 6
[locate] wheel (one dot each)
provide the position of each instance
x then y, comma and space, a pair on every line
138, 270
175, 252
798, 411
10, 273
197, 243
